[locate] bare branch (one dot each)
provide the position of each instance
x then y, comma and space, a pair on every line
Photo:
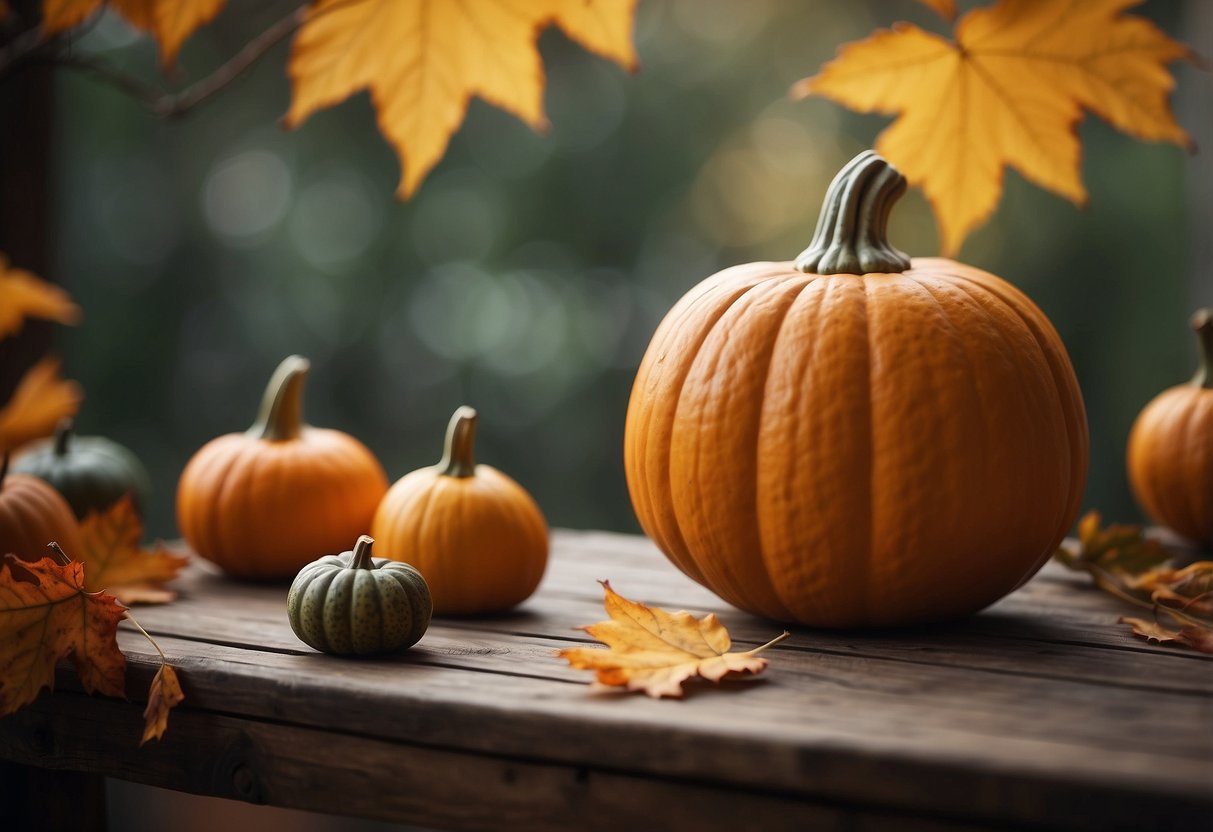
177, 104
29, 47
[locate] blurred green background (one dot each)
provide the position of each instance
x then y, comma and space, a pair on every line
528, 274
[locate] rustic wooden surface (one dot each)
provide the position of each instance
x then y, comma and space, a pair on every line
1040, 712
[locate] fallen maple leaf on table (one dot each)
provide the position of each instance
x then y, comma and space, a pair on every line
1007, 90
1125, 563
170, 22
115, 561
41, 399
423, 61
164, 695
1117, 549
45, 616
1198, 638
655, 651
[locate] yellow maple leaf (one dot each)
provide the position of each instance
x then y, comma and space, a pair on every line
1007, 90
41, 399
164, 695
170, 22
22, 295
656, 651
115, 562
423, 61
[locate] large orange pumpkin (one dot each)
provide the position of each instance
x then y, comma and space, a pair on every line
474, 533
856, 438
264, 503
32, 514
1171, 449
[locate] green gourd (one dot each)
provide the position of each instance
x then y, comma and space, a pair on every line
352, 604
91, 472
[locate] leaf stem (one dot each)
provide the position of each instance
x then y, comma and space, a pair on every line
146, 635
781, 637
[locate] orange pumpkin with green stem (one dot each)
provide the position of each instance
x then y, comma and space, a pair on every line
856, 438
264, 503
1170, 455
474, 533
32, 514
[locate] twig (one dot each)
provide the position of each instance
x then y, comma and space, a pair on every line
177, 104
29, 47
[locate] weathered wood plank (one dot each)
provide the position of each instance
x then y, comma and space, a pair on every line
318, 770
1037, 711
821, 742
1025, 634
259, 623
818, 759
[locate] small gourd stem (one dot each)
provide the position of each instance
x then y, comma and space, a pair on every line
58, 553
63, 437
457, 457
362, 553
281, 415
1202, 322
852, 232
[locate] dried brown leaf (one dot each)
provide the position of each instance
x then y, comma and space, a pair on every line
50, 618
164, 695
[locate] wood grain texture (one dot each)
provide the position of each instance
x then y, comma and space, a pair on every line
1039, 712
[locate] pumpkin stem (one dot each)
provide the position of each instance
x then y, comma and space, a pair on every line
281, 415
1202, 322
63, 436
362, 553
852, 235
3, 469
457, 459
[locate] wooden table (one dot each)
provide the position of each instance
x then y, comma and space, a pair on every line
1041, 712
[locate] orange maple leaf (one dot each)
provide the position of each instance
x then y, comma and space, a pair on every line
170, 22
164, 695
656, 651
45, 616
22, 295
41, 399
115, 562
423, 61
1007, 90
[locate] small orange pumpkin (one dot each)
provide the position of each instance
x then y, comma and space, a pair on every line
1170, 456
264, 503
474, 533
856, 438
32, 514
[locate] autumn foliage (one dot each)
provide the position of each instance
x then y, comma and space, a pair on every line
1006, 90
46, 615
654, 651
58, 608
